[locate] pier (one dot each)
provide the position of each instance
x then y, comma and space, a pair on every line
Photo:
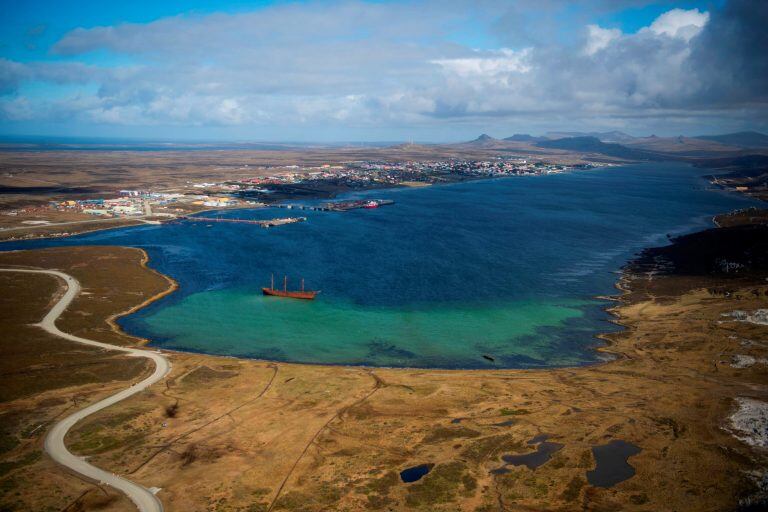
263, 223
302, 207
340, 206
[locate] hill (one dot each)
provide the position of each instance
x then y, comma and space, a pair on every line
484, 138
523, 137
612, 136
742, 139
595, 145
683, 146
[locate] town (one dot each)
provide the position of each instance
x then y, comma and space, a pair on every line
275, 186
355, 175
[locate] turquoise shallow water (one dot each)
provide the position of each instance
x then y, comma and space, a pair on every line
506, 268
335, 332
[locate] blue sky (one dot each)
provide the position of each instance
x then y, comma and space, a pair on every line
354, 70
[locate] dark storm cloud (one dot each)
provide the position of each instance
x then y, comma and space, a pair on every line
730, 56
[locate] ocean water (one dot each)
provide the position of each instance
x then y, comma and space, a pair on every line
506, 268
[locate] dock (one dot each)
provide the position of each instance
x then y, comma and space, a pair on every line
302, 207
263, 223
340, 206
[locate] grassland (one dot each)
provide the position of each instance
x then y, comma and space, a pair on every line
242, 435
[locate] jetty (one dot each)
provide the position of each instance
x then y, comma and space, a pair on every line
268, 223
340, 206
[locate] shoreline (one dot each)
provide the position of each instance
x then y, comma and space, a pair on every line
173, 285
391, 187
335, 425
604, 337
54, 444
52, 237
333, 196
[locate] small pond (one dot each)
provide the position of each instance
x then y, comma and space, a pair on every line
533, 460
611, 463
415, 473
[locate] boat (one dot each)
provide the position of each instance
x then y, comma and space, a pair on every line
292, 294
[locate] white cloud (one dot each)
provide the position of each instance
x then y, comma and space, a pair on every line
599, 38
680, 23
373, 64
489, 65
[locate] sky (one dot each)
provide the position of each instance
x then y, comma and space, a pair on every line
428, 70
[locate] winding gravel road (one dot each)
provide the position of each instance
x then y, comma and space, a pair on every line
145, 500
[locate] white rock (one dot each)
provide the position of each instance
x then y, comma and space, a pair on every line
759, 317
750, 422
742, 361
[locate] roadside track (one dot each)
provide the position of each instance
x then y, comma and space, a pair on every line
144, 499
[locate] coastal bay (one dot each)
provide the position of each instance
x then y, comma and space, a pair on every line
443, 277
385, 256
312, 436
235, 434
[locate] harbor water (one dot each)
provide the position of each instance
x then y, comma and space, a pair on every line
505, 268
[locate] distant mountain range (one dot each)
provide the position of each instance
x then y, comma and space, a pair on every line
740, 139
524, 137
743, 139
618, 144
613, 136
595, 145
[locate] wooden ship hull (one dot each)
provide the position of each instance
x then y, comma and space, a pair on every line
307, 295
290, 294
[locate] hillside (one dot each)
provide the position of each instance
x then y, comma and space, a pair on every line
741, 139
595, 145
612, 136
683, 146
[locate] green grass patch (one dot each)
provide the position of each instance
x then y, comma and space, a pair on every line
447, 433
441, 485
484, 448
573, 489
513, 412
8, 466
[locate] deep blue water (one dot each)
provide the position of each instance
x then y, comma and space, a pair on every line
506, 268
415, 473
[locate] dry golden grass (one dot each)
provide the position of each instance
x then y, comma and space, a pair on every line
230, 434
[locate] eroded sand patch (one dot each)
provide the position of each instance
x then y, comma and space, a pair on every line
750, 422
745, 361
759, 316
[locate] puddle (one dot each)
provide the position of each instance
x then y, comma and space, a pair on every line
503, 423
532, 460
415, 473
612, 466
456, 420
